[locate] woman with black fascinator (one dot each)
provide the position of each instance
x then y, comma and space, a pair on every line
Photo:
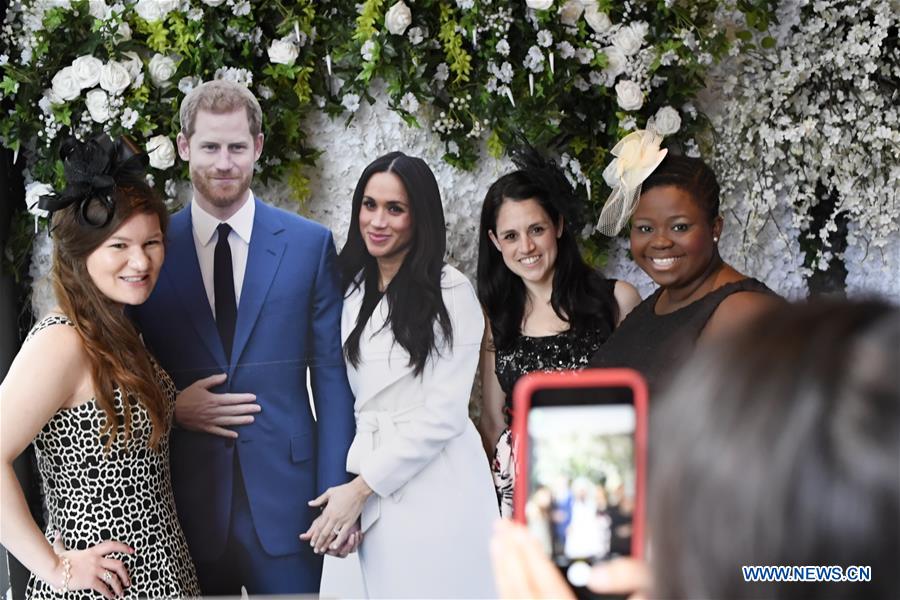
95, 404
411, 328
547, 309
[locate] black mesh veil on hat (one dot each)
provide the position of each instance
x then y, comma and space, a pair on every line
550, 175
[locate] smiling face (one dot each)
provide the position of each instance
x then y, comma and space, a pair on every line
527, 238
672, 237
126, 265
221, 153
385, 220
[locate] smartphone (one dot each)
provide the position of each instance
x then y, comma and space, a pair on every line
581, 451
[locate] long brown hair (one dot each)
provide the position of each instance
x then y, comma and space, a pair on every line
116, 355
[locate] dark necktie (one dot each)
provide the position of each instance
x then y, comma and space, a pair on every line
223, 285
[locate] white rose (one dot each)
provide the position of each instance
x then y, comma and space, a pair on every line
124, 31
616, 62
666, 121
98, 105
161, 69
87, 70
114, 77
155, 10
539, 4
213, 2
629, 39
570, 12
99, 10
33, 193
161, 152
134, 64
149, 10
629, 95
283, 52
597, 19
398, 18
65, 84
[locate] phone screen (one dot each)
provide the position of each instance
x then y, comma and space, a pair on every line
581, 484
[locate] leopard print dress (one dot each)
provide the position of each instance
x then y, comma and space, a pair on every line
123, 494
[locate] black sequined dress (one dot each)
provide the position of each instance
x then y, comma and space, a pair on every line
571, 349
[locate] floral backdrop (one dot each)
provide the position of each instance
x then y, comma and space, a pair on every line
462, 82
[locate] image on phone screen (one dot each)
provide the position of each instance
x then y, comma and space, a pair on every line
581, 483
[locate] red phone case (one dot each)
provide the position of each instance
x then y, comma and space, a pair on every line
588, 378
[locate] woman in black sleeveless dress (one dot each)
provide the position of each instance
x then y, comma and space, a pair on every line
675, 230
546, 309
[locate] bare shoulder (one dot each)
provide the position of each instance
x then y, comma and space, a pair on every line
49, 372
739, 309
627, 297
53, 357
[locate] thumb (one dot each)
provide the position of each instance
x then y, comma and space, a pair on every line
323, 499
212, 380
58, 545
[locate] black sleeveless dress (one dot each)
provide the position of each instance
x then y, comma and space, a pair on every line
656, 345
567, 350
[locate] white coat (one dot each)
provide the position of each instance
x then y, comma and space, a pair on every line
427, 527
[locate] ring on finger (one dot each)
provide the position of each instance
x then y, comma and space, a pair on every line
336, 531
107, 576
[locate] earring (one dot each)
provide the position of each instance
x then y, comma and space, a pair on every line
716, 239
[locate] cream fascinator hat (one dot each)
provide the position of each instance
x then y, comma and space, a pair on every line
637, 156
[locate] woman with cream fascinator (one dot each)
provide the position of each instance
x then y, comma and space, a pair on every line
672, 203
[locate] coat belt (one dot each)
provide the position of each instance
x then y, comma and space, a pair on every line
368, 423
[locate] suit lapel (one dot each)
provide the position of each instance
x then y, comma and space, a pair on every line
186, 280
266, 250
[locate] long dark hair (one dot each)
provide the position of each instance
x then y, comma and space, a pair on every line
781, 446
579, 296
116, 355
414, 294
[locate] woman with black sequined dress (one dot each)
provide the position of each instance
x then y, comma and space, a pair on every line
547, 310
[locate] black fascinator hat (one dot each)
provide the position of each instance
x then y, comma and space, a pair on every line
551, 176
92, 170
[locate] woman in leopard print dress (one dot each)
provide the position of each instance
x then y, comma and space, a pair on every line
96, 405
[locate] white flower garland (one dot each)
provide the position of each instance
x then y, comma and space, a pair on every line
817, 110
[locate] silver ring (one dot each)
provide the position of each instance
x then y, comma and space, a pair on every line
107, 576
336, 531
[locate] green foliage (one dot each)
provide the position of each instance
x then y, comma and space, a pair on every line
457, 58
369, 18
478, 73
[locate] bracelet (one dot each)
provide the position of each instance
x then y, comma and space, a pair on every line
67, 575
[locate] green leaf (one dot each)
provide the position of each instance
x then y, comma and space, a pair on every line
458, 59
767, 42
370, 15
298, 182
495, 146
9, 86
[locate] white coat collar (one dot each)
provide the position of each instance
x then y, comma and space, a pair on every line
382, 360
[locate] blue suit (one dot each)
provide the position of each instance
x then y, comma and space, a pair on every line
288, 322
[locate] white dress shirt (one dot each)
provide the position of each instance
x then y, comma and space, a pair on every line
206, 236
